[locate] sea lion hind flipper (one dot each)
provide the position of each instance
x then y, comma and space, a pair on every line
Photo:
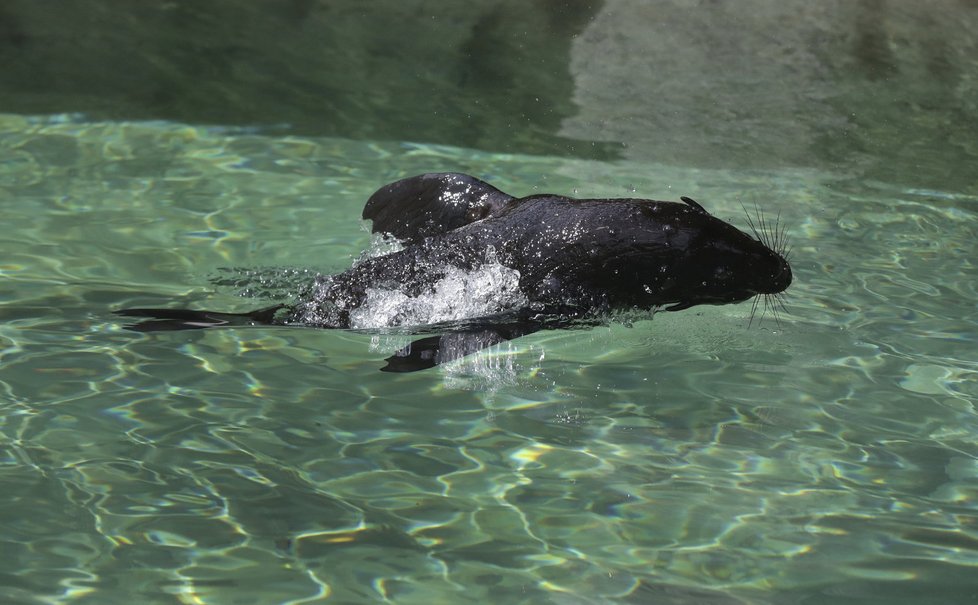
428, 204
158, 320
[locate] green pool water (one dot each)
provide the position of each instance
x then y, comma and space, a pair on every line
829, 457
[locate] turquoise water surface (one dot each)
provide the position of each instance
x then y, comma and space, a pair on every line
828, 457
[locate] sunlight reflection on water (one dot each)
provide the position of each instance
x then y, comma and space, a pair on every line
684, 458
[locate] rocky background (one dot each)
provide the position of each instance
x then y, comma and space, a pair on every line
876, 89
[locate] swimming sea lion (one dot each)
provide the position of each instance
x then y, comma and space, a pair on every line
569, 260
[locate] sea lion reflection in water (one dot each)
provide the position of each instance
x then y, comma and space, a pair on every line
479, 267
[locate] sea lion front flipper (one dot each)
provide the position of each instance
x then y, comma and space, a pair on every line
421, 206
434, 350
158, 320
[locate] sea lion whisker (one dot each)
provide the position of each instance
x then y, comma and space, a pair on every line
779, 298
759, 219
777, 232
750, 221
782, 244
774, 308
753, 309
765, 228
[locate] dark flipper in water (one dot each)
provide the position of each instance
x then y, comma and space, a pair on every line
459, 342
419, 355
421, 206
434, 350
157, 320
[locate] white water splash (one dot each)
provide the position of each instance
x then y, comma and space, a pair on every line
380, 245
487, 290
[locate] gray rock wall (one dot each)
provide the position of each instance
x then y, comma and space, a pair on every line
882, 89
490, 74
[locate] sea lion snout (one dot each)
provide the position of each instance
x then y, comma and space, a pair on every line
779, 281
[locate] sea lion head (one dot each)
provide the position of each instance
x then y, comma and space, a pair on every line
722, 264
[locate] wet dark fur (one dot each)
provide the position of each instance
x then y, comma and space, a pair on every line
576, 259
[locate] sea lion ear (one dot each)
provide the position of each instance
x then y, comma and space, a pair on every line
428, 204
692, 204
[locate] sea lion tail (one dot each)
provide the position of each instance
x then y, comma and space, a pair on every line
156, 320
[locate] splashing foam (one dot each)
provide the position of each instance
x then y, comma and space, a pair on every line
381, 244
489, 289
